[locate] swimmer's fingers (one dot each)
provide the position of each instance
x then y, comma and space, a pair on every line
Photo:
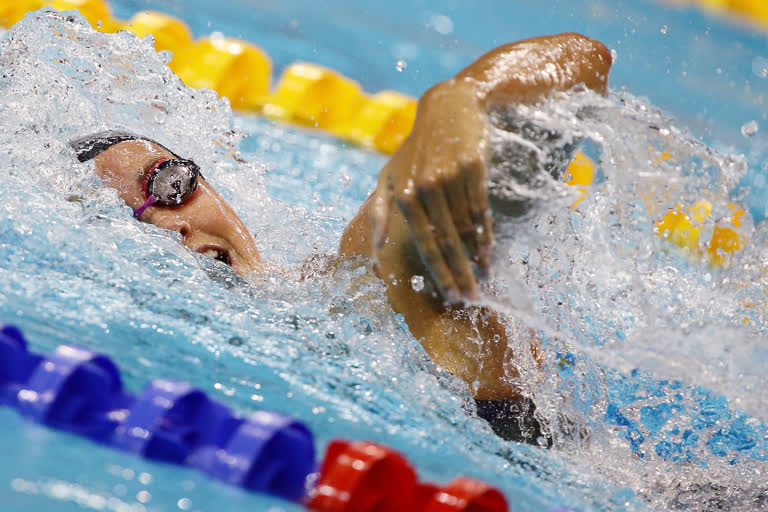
476, 183
458, 202
381, 209
452, 252
424, 236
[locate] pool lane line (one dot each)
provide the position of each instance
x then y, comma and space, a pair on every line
81, 392
306, 94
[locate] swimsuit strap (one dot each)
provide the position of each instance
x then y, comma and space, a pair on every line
90, 146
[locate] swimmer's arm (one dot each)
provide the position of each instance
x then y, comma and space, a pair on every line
428, 217
527, 71
469, 342
437, 180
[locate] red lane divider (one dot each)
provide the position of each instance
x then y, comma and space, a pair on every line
367, 477
362, 476
467, 495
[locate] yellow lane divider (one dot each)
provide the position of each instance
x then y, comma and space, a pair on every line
580, 173
306, 94
171, 34
682, 227
757, 10
311, 95
235, 69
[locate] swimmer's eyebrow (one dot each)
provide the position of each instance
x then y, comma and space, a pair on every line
160, 149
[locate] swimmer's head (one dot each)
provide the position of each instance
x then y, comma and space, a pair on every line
182, 201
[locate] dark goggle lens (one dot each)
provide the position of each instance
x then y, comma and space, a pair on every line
173, 182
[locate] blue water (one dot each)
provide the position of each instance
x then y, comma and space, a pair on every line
330, 350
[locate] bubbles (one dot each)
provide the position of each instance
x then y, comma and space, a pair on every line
749, 129
441, 24
401, 66
417, 283
760, 67
643, 320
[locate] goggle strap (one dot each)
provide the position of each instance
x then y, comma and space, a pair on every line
149, 202
91, 146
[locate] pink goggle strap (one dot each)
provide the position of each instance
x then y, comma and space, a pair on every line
149, 202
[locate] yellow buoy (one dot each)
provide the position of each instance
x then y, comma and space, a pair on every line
171, 34
315, 96
95, 11
756, 9
383, 122
235, 69
726, 237
13, 10
677, 227
717, 4
580, 173
683, 229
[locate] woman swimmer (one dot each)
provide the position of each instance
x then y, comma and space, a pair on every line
428, 216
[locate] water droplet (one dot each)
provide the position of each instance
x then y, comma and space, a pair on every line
614, 55
719, 71
401, 65
664, 29
417, 283
749, 129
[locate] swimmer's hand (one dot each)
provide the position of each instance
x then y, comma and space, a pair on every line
437, 180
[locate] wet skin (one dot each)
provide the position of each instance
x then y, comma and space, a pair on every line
429, 215
206, 222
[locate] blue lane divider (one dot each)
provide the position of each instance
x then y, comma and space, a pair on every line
80, 391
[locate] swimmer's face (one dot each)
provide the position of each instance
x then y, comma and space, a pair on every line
207, 224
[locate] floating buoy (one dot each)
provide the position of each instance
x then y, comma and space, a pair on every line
238, 70
314, 96
97, 12
171, 34
580, 173
682, 227
383, 122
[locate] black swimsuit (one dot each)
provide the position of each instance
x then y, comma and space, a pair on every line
513, 420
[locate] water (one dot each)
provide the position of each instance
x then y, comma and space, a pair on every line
652, 379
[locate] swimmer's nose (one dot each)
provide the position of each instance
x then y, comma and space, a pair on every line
184, 229
173, 223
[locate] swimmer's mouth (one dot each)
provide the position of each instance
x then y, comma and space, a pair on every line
217, 253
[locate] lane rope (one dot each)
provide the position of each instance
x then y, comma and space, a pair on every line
79, 391
306, 94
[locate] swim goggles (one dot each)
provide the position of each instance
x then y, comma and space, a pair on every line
169, 182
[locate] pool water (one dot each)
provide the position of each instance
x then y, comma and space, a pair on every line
655, 360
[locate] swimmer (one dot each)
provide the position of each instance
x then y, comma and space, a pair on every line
429, 215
